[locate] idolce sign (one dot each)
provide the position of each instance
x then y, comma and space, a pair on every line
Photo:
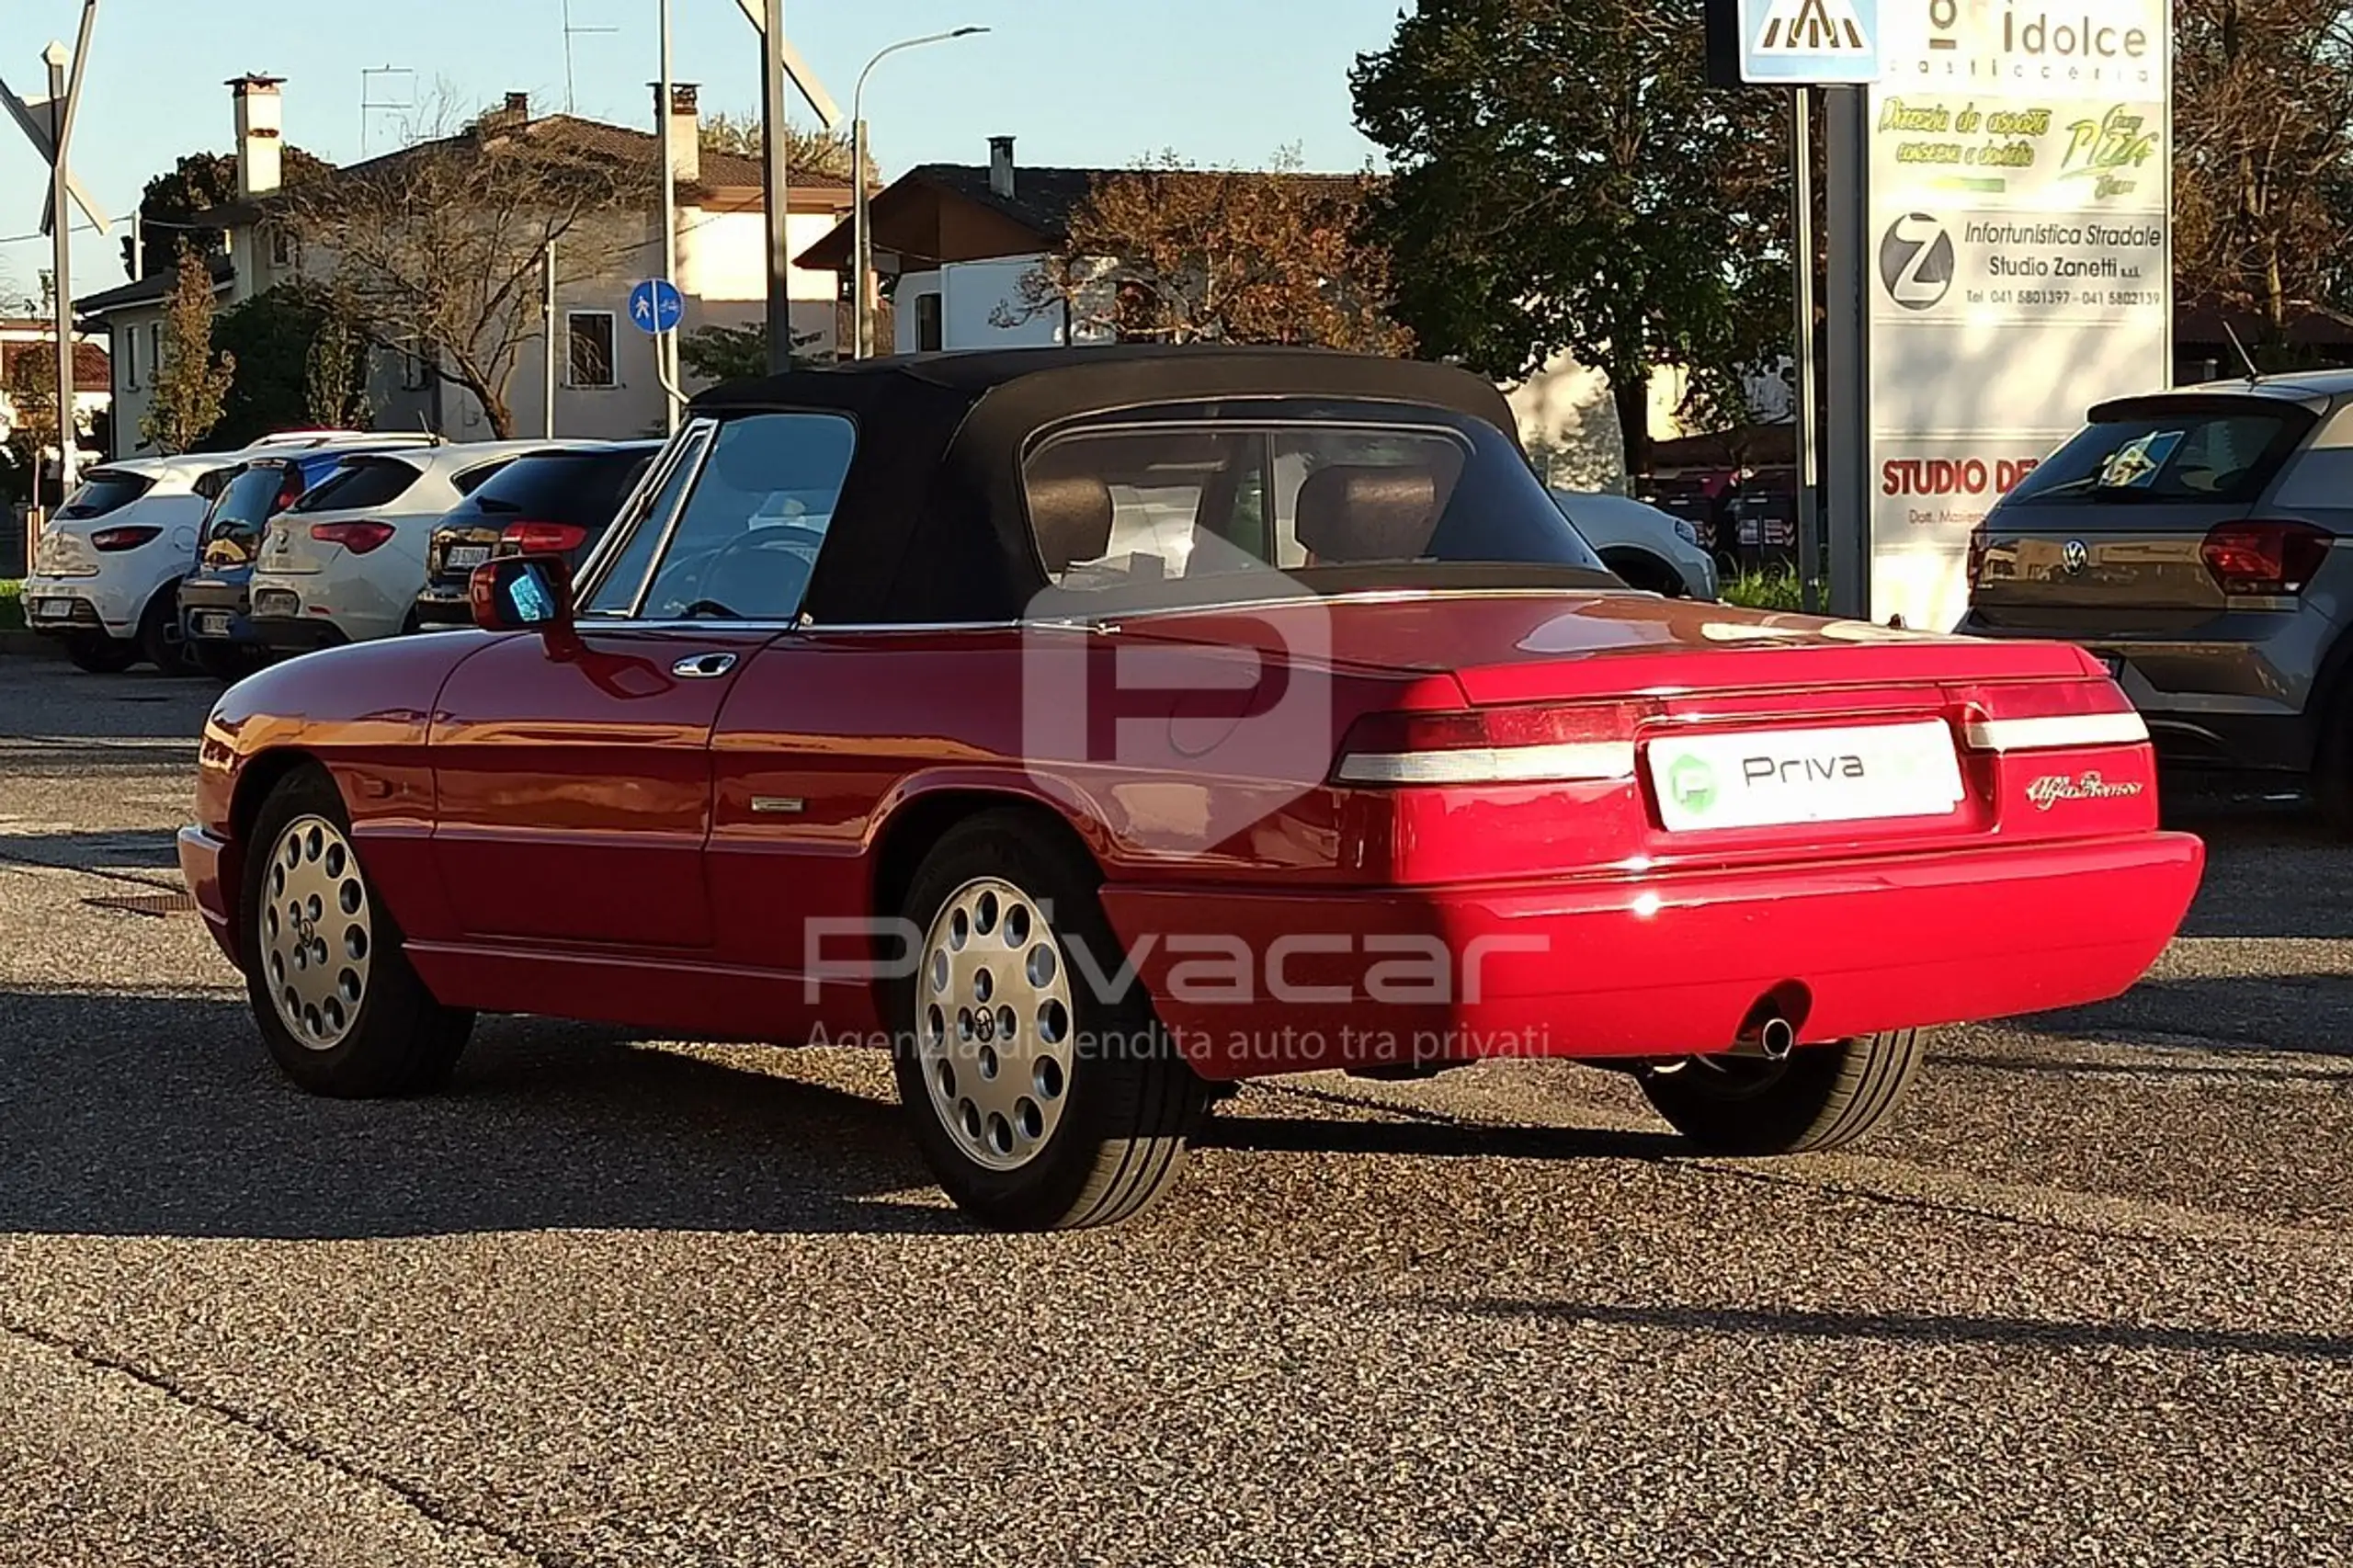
2018, 267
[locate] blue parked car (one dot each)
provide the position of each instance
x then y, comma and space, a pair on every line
215, 607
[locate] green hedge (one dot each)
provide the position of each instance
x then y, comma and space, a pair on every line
12, 608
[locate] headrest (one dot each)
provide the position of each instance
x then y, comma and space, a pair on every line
1349, 514
1072, 517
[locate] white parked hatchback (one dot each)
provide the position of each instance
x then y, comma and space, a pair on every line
108, 564
345, 564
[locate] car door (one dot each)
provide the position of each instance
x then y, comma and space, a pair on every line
573, 775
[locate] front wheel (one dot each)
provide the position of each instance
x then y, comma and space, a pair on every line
100, 655
1037, 1104
1820, 1096
340, 1008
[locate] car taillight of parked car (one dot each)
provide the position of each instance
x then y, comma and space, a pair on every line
359, 537
112, 539
2265, 557
544, 538
1493, 746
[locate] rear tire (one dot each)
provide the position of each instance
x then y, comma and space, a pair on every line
160, 643
1822, 1096
1645, 571
340, 1009
99, 654
1079, 1114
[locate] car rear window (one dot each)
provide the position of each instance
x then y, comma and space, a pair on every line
581, 488
2187, 452
250, 499
105, 490
1215, 502
360, 482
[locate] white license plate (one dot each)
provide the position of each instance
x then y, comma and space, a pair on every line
467, 555
212, 624
60, 609
1764, 777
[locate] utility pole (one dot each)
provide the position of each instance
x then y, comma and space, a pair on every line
1802, 385
862, 241
775, 169
666, 115
778, 65
60, 230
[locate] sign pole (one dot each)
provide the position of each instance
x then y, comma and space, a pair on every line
1803, 386
1846, 310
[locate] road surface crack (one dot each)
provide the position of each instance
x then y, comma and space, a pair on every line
434, 1510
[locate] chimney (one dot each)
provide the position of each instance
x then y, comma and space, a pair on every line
258, 122
685, 130
518, 107
1001, 166
513, 115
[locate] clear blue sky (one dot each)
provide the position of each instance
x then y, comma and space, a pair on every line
1093, 82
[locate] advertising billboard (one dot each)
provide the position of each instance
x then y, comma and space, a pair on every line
2017, 259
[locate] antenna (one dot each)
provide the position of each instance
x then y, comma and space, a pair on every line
370, 105
572, 30
2253, 375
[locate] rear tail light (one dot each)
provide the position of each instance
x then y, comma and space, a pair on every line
2048, 716
123, 538
2265, 557
1492, 745
358, 538
545, 539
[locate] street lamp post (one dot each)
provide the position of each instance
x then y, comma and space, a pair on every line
861, 309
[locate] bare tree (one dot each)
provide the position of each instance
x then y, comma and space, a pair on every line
2264, 157
1170, 253
824, 154
192, 381
440, 247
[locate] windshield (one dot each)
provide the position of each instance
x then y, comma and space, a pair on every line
2187, 453
1323, 499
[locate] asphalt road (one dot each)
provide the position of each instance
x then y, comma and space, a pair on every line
627, 1301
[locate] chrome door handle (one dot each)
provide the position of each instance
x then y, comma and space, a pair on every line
702, 666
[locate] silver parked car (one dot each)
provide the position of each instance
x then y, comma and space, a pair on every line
1648, 548
2191, 540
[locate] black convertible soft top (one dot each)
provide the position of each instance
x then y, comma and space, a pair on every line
930, 525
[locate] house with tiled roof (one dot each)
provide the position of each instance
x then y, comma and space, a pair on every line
35, 337
604, 368
952, 242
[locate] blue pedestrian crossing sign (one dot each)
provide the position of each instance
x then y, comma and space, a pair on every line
657, 306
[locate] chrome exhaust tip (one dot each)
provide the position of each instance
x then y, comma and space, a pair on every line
1777, 1038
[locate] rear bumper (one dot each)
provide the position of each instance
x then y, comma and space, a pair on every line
1649, 966
2237, 694
294, 635
437, 606
216, 609
205, 866
94, 604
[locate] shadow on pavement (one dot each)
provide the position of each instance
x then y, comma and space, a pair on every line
1920, 1328
160, 1116
1432, 1140
148, 849
2296, 1014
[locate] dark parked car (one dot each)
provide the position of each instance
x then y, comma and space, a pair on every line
2193, 540
552, 503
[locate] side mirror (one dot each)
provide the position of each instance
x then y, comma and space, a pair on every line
523, 593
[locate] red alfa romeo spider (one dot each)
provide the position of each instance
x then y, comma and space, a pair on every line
1091, 728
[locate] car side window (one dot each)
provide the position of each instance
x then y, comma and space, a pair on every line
745, 542
639, 536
